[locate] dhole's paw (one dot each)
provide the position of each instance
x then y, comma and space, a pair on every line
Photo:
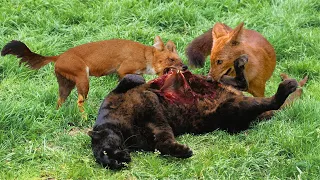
241, 61
181, 151
287, 86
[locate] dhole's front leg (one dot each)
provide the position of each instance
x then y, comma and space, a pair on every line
237, 113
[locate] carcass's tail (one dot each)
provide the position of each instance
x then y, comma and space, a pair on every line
293, 96
199, 49
31, 59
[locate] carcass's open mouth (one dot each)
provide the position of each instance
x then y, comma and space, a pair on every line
182, 86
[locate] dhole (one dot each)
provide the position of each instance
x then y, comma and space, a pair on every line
73, 67
225, 45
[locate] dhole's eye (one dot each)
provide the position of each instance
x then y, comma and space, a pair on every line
234, 43
219, 61
172, 60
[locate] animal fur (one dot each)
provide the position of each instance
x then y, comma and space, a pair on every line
148, 116
73, 67
224, 45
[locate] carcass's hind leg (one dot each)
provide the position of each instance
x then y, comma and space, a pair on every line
159, 132
166, 143
293, 96
237, 113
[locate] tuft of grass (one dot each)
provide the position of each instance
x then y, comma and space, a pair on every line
39, 142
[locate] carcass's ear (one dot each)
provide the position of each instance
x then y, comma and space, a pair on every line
236, 34
94, 134
158, 43
219, 30
98, 134
171, 46
90, 133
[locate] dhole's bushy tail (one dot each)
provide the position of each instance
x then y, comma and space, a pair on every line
32, 60
199, 49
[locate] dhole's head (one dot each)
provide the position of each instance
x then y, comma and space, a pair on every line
165, 56
226, 48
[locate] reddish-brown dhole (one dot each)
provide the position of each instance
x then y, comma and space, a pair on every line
73, 67
225, 44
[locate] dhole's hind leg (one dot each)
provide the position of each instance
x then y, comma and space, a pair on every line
65, 87
74, 68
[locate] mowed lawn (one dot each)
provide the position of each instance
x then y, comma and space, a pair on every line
39, 142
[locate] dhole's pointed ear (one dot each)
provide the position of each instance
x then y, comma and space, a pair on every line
171, 47
220, 29
236, 34
158, 44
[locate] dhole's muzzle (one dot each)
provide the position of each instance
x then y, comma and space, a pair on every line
226, 71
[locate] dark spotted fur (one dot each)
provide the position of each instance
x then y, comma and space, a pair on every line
149, 115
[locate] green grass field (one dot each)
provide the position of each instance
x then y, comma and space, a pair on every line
39, 142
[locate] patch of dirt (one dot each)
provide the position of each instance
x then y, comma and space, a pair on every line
77, 131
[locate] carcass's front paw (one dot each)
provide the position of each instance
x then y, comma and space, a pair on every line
182, 151
115, 159
241, 61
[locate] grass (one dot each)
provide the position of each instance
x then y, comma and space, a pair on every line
39, 142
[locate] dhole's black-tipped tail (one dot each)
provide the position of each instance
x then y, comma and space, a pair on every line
31, 59
199, 49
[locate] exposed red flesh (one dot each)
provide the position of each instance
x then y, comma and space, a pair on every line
183, 87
